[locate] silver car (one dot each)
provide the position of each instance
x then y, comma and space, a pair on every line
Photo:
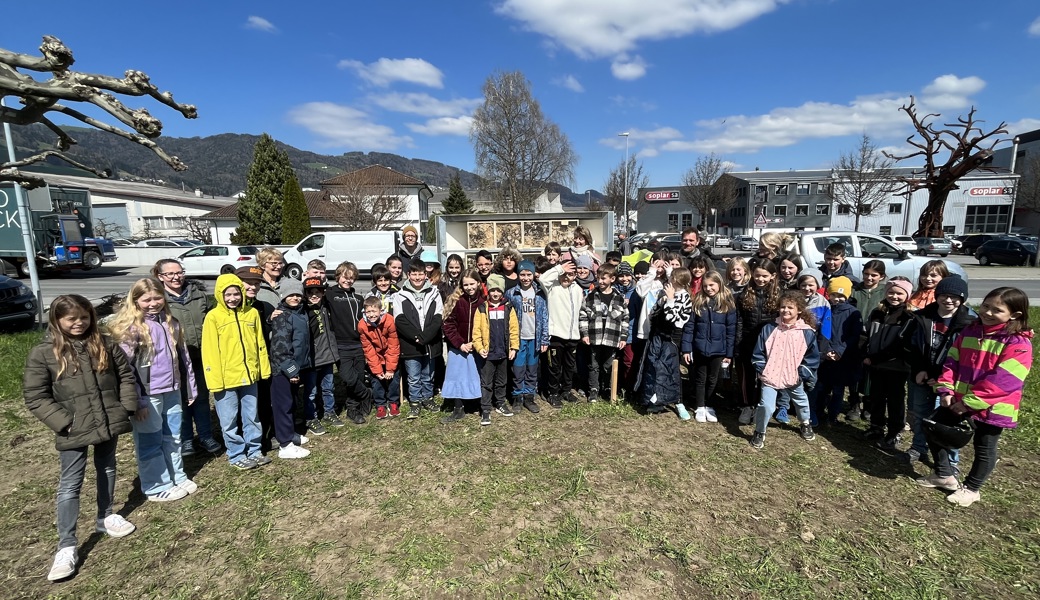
930, 245
745, 242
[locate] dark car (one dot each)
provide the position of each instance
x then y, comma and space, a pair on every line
1007, 251
17, 304
971, 243
662, 241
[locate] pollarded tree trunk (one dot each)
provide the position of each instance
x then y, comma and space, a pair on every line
931, 222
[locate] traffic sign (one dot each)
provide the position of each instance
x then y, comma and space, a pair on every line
760, 220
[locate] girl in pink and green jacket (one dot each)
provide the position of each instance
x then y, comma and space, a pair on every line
982, 378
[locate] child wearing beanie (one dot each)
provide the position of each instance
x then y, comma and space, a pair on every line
840, 364
887, 368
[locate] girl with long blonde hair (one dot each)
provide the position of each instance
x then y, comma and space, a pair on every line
708, 340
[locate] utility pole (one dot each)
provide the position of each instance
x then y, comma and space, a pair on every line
625, 221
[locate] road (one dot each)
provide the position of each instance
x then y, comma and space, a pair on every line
112, 280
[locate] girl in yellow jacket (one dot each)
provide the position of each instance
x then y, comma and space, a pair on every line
235, 357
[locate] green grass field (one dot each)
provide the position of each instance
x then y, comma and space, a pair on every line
592, 501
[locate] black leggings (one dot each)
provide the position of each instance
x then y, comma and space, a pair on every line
705, 377
888, 392
985, 440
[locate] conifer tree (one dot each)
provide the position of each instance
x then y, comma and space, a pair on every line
457, 203
296, 219
260, 210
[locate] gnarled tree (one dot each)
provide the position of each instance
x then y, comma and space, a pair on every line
41, 98
968, 146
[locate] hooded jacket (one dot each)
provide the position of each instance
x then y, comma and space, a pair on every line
867, 300
927, 348
541, 311
323, 338
290, 341
845, 270
190, 310
166, 367
234, 351
886, 338
483, 329
750, 322
94, 406
346, 308
418, 315
786, 355
381, 345
710, 333
564, 303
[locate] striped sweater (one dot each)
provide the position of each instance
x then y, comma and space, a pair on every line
986, 369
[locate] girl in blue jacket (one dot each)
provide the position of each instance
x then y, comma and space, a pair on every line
708, 339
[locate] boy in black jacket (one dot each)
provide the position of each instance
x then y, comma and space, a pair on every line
418, 313
346, 308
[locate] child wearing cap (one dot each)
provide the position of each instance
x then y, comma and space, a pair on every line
564, 299
886, 359
839, 367
290, 356
604, 329
533, 311
931, 335
382, 354
325, 355
624, 284
496, 340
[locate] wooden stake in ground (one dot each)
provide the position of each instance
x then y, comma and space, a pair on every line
613, 381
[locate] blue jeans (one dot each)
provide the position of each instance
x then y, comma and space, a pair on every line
312, 378
233, 404
525, 368
73, 468
198, 411
420, 378
387, 391
920, 402
767, 404
158, 450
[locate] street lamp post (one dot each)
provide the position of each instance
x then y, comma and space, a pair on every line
625, 135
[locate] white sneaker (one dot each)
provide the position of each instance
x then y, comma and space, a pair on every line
188, 486
115, 526
64, 564
746, 415
174, 493
709, 413
304, 439
700, 415
293, 451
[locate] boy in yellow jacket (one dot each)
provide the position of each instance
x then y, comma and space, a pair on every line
235, 357
496, 338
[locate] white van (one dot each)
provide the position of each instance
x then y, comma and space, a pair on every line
363, 248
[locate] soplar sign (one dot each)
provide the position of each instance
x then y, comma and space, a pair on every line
990, 191
665, 196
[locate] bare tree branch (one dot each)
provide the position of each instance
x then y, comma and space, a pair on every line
614, 188
41, 97
863, 180
364, 206
705, 187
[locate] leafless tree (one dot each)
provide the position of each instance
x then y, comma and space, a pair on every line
614, 188
519, 151
198, 229
109, 229
1028, 196
366, 206
705, 186
863, 180
968, 147
40, 98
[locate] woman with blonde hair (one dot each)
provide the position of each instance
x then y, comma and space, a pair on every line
582, 246
154, 344
272, 262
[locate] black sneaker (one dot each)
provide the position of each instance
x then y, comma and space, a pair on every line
262, 460
571, 396
555, 402
874, 433
758, 440
314, 427
530, 404
456, 415
888, 445
485, 418
413, 410
331, 420
807, 432
245, 464
518, 404
357, 419
430, 405
593, 395
504, 409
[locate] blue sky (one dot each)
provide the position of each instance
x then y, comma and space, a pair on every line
774, 84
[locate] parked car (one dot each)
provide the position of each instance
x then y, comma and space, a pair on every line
902, 241
718, 240
973, 242
1007, 251
122, 242
363, 248
217, 259
955, 242
861, 247
158, 243
745, 242
930, 245
17, 304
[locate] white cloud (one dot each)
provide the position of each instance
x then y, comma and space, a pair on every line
385, 71
1034, 27
597, 29
1023, 126
949, 91
570, 82
260, 24
425, 104
628, 68
346, 127
444, 126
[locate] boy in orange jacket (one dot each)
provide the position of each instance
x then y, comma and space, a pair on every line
382, 351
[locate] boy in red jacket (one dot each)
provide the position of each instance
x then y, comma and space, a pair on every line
382, 351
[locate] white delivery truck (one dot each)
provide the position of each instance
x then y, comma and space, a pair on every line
363, 248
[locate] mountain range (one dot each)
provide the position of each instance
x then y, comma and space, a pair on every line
218, 164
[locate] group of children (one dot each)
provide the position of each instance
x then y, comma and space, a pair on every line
674, 326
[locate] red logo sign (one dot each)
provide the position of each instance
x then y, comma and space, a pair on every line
661, 196
990, 191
